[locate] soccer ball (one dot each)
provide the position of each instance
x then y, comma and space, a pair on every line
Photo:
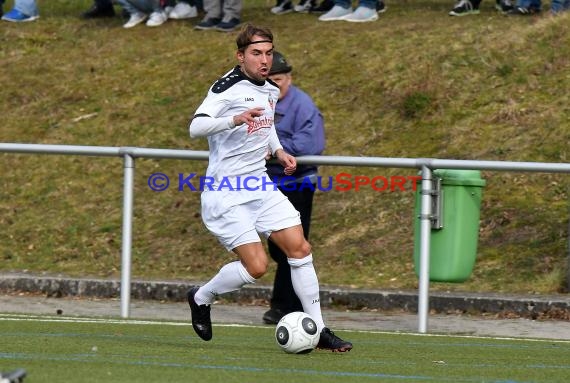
297, 333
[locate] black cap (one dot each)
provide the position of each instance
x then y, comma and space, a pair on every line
280, 65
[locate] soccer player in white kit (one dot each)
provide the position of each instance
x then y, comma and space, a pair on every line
241, 201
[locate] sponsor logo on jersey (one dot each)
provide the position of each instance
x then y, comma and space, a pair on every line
264, 122
249, 99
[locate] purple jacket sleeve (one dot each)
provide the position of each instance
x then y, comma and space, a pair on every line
300, 124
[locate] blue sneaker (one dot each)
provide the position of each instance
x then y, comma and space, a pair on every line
207, 24
227, 26
16, 16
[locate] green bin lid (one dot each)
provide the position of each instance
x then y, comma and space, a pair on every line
460, 177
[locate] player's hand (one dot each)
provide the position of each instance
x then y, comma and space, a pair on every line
287, 161
248, 116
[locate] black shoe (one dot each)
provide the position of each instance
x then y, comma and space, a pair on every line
464, 8
97, 13
380, 7
504, 6
323, 7
201, 322
524, 11
273, 316
329, 341
207, 24
305, 6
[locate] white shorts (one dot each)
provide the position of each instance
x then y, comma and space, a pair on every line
236, 217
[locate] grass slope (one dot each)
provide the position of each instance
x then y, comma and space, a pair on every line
417, 83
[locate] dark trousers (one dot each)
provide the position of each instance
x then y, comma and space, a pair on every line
102, 4
284, 297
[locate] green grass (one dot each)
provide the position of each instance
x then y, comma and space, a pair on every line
417, 83
98, 350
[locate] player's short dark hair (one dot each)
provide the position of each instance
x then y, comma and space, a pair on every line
248, 31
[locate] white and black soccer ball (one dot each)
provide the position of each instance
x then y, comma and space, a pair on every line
297, 333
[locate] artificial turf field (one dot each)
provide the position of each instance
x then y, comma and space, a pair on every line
71, 349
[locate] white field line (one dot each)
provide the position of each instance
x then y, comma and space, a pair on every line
67, 319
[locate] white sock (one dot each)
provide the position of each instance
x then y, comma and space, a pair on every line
306, 286
231, 277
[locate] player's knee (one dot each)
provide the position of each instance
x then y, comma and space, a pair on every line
257, 269
306, 248
301, 251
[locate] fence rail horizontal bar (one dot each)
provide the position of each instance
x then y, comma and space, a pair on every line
386, 162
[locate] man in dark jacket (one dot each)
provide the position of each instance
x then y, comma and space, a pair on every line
300, 129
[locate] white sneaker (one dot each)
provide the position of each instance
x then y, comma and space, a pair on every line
135, 19
336, 13
361, 15
303, 7
282, 7
183, 11
156, 19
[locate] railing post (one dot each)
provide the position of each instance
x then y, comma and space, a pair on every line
425, 229
568, 257
127, 235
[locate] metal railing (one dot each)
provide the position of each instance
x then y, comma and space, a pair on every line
426, 165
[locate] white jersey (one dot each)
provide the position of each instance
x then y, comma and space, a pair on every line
239, 152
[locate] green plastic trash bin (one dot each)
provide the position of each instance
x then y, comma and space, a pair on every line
453, 247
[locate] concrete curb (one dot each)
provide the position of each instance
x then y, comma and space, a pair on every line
526, 306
